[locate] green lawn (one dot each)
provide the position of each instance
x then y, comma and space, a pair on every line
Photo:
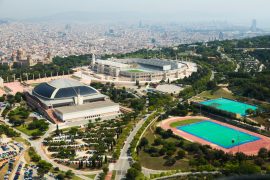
23, 128
21, 140
135, 70
216, 94
76, 178
184, 122
91, 176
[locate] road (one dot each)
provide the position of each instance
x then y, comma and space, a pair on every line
122, 164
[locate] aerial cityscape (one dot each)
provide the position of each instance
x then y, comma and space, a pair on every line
123, 90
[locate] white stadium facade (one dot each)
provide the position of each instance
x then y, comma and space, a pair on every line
143, 70
68, 100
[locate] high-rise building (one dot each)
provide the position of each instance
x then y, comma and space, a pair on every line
221, 36
253, 27
1, 82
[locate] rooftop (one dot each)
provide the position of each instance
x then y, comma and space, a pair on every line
84, 107
64, 83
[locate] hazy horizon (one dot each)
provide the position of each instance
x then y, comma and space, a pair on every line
239, 11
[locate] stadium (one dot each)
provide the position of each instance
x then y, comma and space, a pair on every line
67, 100
146, 70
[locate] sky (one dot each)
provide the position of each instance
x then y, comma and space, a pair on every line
171, 10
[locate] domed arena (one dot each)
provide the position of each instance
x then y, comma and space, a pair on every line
63, 89
68, 100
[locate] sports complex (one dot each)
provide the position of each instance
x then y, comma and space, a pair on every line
145, 70
217, 134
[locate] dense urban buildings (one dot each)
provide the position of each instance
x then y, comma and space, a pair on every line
37, 42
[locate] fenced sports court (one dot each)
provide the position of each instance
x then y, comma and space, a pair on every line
229, 105
218, 135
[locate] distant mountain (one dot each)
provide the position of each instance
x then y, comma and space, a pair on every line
3, 21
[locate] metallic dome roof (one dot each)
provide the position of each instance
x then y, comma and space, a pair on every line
62, 88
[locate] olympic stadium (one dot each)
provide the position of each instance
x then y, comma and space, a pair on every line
144, 70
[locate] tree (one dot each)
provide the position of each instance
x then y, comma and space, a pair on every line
69, 174
240, 156
144, 142
248, 168
57, 132
33, 155
132, 173
60, 176
36, 134
211, 85
170, 161
181, 154
105, 169
137, 166
263, 153
157, 142
43, 167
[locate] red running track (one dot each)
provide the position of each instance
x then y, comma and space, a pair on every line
250, 148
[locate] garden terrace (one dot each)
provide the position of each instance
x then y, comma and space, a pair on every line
85, 147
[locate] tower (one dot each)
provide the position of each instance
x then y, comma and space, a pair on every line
1, 82
30, 61
49, 57
253, 27
19, 54
221, 36
93, 62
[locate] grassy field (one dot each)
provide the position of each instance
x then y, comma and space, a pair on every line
23, 129
135, 70
184, 122
158, 162
21, 140
76, 178
92, 176
213, 95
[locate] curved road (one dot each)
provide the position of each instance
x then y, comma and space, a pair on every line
37, 145
122, 165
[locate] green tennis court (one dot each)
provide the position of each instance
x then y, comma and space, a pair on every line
218, 134
229, 105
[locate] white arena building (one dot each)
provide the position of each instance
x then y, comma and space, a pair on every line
143, 70
68, 100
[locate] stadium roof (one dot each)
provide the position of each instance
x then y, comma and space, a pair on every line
62, 89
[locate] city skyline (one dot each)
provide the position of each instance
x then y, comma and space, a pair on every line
241, 12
